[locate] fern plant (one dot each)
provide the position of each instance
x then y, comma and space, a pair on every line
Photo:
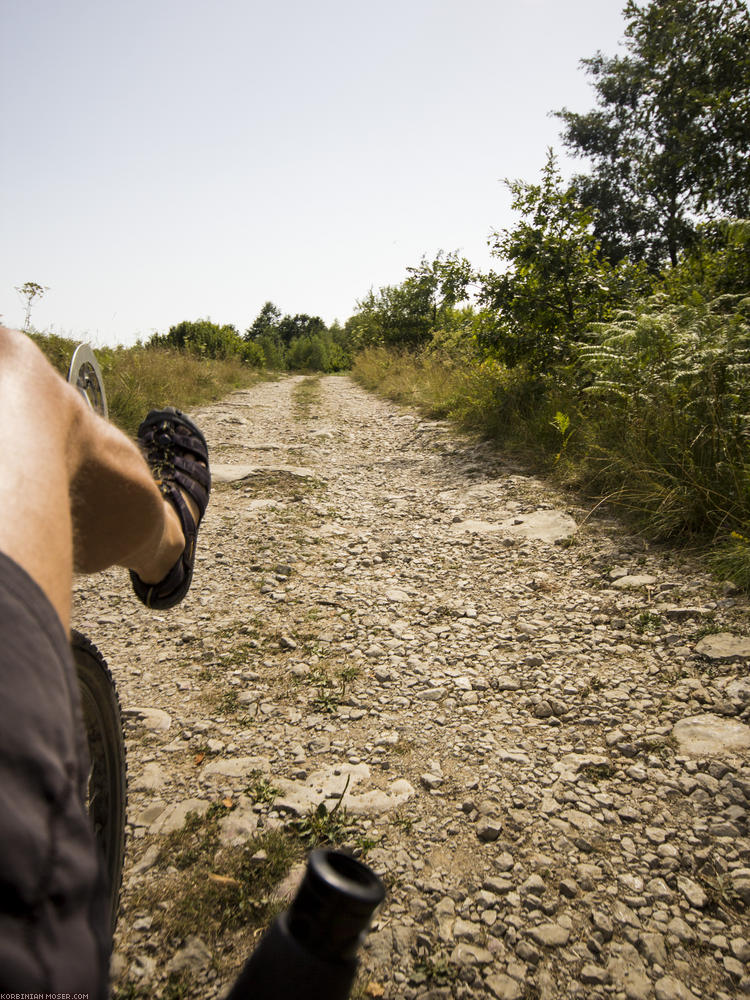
671, 384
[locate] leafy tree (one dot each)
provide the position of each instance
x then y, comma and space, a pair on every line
668, 140
557, 281
407, 314
717, 264
265, 323
301, 325
273, 351
310, 353
253, 354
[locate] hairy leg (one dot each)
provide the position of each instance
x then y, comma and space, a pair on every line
76, 494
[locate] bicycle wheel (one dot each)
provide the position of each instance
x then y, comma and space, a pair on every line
86, 375
107, 787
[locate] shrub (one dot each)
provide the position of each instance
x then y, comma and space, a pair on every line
670, 390
203, 338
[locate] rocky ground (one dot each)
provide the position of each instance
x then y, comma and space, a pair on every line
538, 719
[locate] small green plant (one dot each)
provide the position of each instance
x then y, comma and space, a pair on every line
195, 841
327, 699
403, 747
178, 986
722, 897
598, 772
349, 673
437, 970
260, 789
402, 821
228, 703
648, 622
663, 747
709, 627
561, 423
329, 695
129, 991
363, 843
326, 826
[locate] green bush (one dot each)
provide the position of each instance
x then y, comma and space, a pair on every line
253, 355
202, 338
273, 350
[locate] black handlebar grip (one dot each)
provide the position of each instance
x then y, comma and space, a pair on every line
310, 951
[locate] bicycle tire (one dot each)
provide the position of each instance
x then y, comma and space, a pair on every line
107, 785
86, 375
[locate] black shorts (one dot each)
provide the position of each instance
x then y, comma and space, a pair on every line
54, 927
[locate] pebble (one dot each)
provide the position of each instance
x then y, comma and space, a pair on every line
545, 763
550, 935
505, 988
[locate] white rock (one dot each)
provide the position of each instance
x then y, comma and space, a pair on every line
724, 646
173, 818
194, 956
235, 767
155, 719
634, 582
707, 735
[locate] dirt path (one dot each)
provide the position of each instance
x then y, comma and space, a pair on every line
372, 604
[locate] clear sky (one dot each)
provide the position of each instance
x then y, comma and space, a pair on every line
178, 159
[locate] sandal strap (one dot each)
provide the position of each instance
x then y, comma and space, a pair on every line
194, 479
175, 450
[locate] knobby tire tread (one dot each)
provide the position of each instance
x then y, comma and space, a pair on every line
107, 800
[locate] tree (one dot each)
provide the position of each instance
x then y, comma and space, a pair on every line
265, 323
407, 314
556, 282
668, 142
291, 327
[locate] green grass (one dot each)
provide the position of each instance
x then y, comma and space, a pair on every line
730, 560
226, 894
214, 891
306, 397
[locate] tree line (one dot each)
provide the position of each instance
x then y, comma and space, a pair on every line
272, 340
668, 150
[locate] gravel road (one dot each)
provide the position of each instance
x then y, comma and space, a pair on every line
539, 719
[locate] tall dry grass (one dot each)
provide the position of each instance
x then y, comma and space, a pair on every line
478, 394
139, 379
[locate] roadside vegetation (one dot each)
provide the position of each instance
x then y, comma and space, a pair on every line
611, 345
141, 378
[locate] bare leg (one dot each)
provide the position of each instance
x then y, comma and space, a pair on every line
75, 493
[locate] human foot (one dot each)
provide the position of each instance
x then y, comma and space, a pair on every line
177, 454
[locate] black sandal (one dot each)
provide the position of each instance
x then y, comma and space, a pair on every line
174, 449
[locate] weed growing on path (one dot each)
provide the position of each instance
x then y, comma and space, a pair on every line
306, 396
215, 890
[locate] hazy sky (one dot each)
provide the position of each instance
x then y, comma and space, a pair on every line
175, 159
